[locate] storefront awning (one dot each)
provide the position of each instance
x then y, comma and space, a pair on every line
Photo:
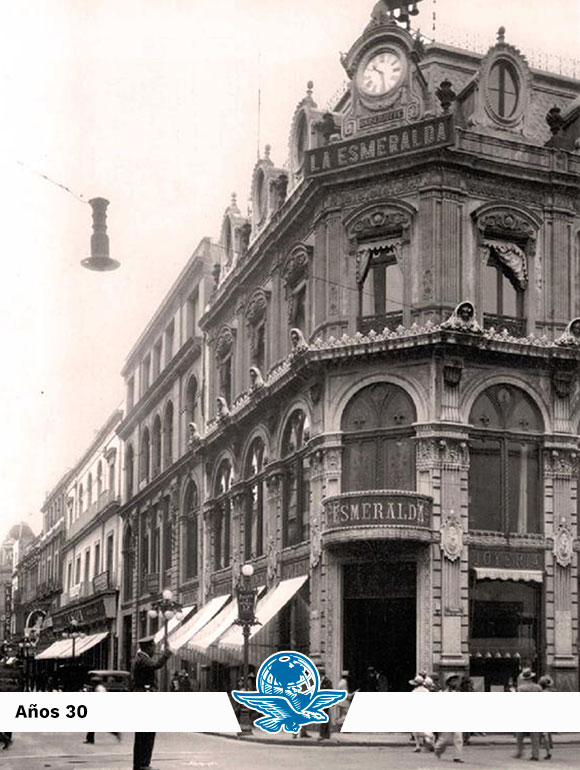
83, 644
55, 650
268, 607
217, 626
173, 624
196, 623
522, 575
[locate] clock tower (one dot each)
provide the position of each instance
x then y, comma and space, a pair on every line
387, 86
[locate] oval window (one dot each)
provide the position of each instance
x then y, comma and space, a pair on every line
504, 89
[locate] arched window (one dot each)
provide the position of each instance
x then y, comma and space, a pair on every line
168, 435
505, 479
379, 451
296, 479
89, 489
222, 516
99, 478
145, 456
128, 563
156, 446
129, 470
254, 515
502, 295
191, 531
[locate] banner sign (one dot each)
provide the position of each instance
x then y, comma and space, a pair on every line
415, 137
505, 558
381, 508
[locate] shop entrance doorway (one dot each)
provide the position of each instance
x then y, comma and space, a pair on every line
379, 624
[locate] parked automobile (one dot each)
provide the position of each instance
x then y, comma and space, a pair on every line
114, 681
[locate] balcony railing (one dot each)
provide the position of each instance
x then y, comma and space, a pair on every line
377, 323
104, 499
514, 326
102, 582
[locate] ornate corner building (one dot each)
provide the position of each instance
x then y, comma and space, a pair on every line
392, 373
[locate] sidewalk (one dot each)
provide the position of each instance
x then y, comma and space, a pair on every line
376, 739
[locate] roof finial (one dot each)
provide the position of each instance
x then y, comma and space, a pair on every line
234, 199
501, 35
267, 151
309, 89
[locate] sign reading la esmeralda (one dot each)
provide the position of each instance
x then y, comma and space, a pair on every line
428, 134
402, 509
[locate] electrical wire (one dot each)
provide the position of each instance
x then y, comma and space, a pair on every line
80, 198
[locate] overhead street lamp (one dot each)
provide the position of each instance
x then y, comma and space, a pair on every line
246, 595
165, 609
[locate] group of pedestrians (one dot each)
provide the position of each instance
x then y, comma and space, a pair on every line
439, 742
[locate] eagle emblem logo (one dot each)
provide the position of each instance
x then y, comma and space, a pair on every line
288, 694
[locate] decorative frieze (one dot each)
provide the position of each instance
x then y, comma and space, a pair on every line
444, 453
561, 463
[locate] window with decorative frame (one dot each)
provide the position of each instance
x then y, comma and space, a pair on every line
128, 563
129, 470
295, 281
191, 532
222, 516
379, 439
505, 468
256, 312
224, 362
255, 493
168, 435
296, 479
156, 446
145, 459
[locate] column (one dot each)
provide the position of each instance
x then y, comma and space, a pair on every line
273, 529
561, 589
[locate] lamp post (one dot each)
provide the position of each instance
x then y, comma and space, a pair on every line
72, 631
246, 595
165, 609
27, 647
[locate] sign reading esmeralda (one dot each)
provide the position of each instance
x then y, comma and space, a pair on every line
428, 134
381, 508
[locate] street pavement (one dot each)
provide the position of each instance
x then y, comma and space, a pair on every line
180, 751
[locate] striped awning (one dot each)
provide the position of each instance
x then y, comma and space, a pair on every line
196, 623
521, 575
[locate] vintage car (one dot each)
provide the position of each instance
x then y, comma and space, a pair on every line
113, 681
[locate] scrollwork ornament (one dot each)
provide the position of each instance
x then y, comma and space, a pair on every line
452, 536
564, 544
315, 543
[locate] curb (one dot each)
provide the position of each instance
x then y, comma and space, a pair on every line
330, 742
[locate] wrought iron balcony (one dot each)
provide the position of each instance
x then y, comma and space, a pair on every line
514, 326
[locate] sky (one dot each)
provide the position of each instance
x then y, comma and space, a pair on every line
152, 104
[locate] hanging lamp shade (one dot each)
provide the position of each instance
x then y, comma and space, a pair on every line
99, 259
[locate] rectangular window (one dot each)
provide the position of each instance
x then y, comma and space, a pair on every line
97, 560
191, 541
87, 575
69, 576
78, 571
157, 359
169, 335
110, 553
145, 374
191, 314
485, 506
259, 347
225, 379
130, 393
524, 488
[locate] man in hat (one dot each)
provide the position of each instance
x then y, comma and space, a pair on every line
526, 684
325, 684
452, 683
145, 666
421, 739
547, 684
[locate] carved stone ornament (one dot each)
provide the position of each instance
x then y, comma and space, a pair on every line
561, 463
236, 571
224, 342
206, 581
463, 319
452, 372
496, 226
450, 454
273, 563
452, 536
295, 267
379, 221
315, 543
562, 383
512, 256
564, 544
571, 337
256, 307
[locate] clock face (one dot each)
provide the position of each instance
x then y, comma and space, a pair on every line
381, 73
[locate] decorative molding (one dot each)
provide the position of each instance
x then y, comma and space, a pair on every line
272, 563
445, 453
561, 463
224, 342
315, 542
451, 536
564, 544
295, 267
571, 336
257, 307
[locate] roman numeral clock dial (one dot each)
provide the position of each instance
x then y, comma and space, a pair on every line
381, 73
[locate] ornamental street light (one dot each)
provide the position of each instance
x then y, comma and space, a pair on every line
72, 631
27, 646
246, 595
165, 609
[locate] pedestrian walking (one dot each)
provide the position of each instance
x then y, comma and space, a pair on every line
145, 666
325, 684
98, 686
343, 684
6, 740
547, 684
421, 739
526, 684
444, 740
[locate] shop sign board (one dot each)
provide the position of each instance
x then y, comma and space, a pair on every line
505, 558
380, 508
402, 140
